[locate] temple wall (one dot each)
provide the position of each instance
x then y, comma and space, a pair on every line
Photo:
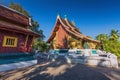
13, 38
20, 38
74, 43
29, 43
79, 44
92, 45
54, 42
20, 42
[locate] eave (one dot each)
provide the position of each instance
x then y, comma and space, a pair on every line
15, 28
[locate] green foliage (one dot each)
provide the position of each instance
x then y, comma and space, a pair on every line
18, 8
41, 46
35, 44
114, 35
35, 25
102, 37
111, 42
35, 28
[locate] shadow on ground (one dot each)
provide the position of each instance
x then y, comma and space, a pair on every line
57, 70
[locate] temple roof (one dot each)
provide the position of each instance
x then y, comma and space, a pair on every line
12, 20
14, 16
69, 28
12, 10
11, 27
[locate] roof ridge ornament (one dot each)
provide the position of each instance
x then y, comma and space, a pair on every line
73, 22
65, 16
58, 15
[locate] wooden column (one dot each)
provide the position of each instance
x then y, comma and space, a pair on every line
26, 41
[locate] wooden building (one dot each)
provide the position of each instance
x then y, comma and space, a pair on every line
15, 35
66, 36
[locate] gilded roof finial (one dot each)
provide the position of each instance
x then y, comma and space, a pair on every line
65, 16
58, 14
73, 22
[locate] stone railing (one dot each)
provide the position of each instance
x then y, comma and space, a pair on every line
93, 57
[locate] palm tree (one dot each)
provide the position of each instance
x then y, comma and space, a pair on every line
114, 35
102, 37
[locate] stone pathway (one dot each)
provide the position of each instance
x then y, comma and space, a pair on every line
5, 67
60, 70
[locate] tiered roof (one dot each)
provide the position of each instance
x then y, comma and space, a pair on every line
69, 28
12, 20
13, 16
15, 28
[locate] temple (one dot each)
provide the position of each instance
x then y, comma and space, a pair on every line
66, 36
15, 35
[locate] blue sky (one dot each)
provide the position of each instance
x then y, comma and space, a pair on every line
92, 17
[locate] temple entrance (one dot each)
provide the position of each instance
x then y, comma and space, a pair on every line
85, 45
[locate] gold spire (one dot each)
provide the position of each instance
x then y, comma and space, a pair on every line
65, 16
58, 14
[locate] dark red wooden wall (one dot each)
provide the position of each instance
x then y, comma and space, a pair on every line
21, 39
62, 38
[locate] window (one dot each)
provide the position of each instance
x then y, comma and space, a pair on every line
10, 41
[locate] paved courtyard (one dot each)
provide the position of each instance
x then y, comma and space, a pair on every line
60, 70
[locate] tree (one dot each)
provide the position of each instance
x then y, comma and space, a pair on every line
102, 37
35, 28
43, 46
110, 42
18, 8
114, 35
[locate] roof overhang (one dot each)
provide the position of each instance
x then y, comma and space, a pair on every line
18, 29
